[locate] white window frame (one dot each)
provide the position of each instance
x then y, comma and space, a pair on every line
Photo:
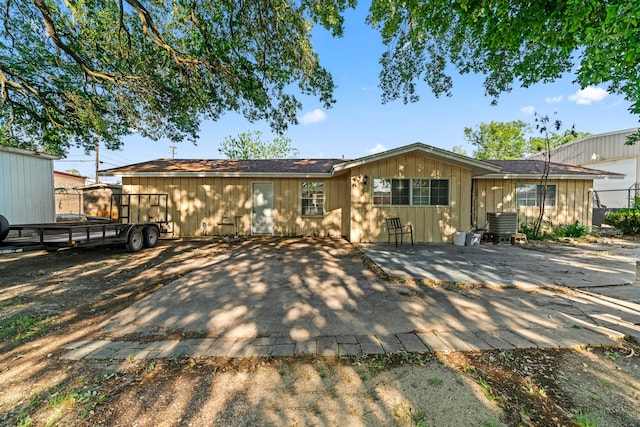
383, 192
316, 208
552, 189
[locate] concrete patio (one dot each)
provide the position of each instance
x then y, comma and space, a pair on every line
317, 296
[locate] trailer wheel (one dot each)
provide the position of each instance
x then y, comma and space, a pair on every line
151, 236
4, 228
135, 241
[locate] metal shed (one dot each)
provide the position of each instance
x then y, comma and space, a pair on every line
26, 186
607, 152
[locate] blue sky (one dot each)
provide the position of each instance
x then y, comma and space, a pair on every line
359, 124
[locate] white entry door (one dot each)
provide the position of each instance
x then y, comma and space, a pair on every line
262, 201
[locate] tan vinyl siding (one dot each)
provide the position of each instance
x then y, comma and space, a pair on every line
573, 201
430, 223
218, 201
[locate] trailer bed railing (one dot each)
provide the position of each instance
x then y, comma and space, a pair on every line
150, 220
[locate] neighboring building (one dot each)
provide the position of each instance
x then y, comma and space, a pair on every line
436, 191
608, 152
97, 199
67, 194
74, 197
26, 186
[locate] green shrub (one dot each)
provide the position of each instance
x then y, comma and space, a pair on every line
529, 231
572, 230
569, 230
625, 220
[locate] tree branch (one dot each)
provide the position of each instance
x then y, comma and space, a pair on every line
7, 18
5, 82
60, 45
151, 30
122, 26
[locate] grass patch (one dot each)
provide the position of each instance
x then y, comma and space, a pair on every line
19, 301
24, 416
435, 381
325, 371
82, 395
371, 365
584, 419
485, 388
409, 417
613, 356
22, 327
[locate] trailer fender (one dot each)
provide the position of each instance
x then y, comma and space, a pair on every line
124, 231
4, 228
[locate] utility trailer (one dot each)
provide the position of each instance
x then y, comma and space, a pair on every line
151, 221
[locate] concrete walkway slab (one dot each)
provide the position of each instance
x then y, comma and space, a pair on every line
507, 265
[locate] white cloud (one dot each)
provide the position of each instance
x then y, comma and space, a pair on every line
528, 110
379, 148
555, 99
314, 116
588, 95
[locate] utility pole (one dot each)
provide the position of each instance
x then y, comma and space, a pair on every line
173, 151
97, 157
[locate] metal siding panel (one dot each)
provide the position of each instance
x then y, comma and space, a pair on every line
5, 176
615, 199
27, 187
604, 147
51, 205
20, 184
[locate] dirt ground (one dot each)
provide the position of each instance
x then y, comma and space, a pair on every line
50, 299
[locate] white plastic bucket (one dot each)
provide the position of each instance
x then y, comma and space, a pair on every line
459, 238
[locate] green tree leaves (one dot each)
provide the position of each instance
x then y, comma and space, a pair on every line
498, 140
510, 140
555, 140
74, 71
510, 42
250, 146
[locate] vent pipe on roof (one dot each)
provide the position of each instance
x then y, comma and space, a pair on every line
214, 164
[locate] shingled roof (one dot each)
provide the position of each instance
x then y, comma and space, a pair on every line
526, 168
228, 167
481, 169
288, 167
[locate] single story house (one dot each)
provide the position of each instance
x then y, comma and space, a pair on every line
436, 191
517, 188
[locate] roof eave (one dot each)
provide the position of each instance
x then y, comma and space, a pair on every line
218, 174
36, 154
551, 176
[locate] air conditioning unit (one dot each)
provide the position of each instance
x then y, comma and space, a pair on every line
502, 223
